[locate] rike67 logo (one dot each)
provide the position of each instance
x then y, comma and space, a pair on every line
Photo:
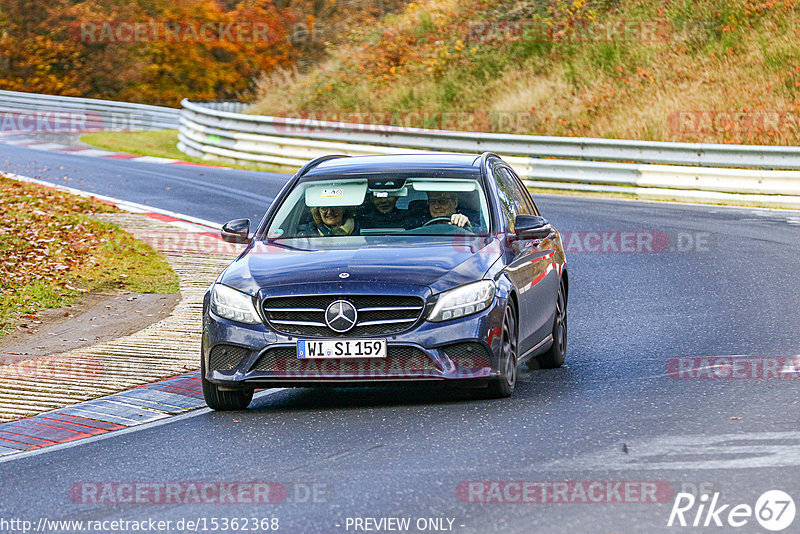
774, 510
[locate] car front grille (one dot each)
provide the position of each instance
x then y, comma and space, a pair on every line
468, 355
377, 314
400, 362
226, 357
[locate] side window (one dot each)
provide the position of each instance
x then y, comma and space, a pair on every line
505, 193
521, 197
525, 196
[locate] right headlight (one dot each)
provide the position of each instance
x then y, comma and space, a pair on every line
463, 301
234, 305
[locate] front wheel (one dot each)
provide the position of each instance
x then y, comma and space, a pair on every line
503, 386
221, 400
554, 357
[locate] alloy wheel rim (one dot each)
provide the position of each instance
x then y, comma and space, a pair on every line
561, 322
509, 351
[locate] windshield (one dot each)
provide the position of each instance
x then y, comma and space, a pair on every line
382, 206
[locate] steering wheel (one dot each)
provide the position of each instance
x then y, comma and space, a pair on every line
436, 220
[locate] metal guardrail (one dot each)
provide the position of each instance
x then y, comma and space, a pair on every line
286, 142
45, 113
218, 130
652, 152
232, 107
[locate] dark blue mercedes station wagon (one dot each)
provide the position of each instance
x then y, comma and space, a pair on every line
386, 269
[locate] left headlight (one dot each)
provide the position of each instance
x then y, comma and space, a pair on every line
234, 305
463, 301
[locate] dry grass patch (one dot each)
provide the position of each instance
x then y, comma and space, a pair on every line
737, 61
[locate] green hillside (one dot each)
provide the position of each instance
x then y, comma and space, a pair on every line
707, 70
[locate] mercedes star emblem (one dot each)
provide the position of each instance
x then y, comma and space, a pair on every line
341, 316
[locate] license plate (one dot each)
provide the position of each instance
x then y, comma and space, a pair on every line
341, 348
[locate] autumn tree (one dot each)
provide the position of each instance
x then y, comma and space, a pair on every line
36, 54
200, 49
192, 48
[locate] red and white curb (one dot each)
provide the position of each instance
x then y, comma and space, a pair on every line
146, 406
138, 406
186, 222
106, 414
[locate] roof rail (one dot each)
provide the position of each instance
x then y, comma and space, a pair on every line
316, 161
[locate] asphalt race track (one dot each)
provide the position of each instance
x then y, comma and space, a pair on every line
207, 192
699, 281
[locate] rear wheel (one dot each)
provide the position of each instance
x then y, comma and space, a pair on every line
503, 386
220, 400
554, 357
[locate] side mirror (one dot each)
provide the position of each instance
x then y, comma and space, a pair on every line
236, 231
532, 227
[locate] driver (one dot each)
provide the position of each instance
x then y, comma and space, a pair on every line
444, 204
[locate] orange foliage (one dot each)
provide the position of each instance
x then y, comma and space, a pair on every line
33, 57
80, 48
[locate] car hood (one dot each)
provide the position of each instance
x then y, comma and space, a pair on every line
437, 265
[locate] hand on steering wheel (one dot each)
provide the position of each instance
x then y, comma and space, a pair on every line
460, 220
437, 220
456, 219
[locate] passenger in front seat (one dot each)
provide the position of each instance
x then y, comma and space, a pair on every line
329, 221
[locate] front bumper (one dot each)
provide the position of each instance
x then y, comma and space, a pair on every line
237, 355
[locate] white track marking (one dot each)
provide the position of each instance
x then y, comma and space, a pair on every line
122, 204
746, 450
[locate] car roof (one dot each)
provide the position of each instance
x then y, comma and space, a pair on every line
397, 163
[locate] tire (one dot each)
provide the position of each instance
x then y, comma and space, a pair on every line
224, 400
503, 386
555, 356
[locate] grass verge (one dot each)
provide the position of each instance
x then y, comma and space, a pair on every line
160, 144
53, 251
